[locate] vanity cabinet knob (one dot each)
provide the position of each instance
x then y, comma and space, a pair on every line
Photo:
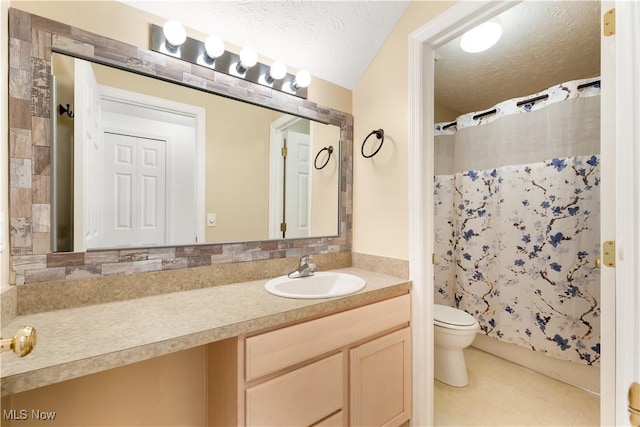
22, 342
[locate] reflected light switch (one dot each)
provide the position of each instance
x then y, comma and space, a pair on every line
211, 220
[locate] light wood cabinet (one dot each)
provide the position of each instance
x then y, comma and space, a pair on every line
347, 368
300, 398
381, 397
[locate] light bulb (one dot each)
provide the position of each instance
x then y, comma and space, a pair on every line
174, 33
214, 46
278, 70
481, 37
248, 57
303, 78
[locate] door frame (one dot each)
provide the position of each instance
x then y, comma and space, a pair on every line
276, 163
459, 18
627, 204
197, 114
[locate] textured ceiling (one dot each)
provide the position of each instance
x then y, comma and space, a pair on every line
334, 40
543, 44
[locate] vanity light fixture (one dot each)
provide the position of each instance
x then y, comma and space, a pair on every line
277, 71
171, 39
248, 58
214, 47
303, 79
481, 38
174, 34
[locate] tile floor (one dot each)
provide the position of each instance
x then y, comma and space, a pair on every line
501, 393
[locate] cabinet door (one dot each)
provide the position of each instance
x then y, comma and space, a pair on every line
380, 378
299, 398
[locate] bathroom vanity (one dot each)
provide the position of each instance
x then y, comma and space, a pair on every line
348, 368
162, 335
269, 360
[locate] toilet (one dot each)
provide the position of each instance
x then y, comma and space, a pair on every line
454, 330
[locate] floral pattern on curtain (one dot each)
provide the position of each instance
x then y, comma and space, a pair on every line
516, 247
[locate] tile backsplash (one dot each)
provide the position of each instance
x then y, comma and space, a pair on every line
57, 295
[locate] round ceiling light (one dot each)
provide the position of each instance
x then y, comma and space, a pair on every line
481, 37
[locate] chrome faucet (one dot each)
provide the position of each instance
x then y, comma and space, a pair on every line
305, 268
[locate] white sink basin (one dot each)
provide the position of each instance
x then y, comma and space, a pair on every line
324, 284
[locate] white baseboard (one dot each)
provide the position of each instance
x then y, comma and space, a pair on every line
583, 376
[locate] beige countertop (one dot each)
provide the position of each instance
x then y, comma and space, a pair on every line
81, 341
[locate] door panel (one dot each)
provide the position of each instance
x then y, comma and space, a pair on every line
151, 176
298, 175
134, 191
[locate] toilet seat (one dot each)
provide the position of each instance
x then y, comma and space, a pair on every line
453, 318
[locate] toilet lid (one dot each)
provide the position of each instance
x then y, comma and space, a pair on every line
452, 316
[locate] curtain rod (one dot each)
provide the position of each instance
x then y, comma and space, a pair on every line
521, 103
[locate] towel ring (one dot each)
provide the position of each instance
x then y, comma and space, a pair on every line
330, 151
380, 135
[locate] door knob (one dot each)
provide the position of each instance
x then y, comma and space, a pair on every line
634, 404
598, 263
21, 343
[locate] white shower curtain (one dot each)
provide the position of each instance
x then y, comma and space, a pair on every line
517, 221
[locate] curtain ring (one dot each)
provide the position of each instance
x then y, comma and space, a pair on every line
315, 162
380, 135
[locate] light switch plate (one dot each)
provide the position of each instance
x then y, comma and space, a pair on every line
211, 220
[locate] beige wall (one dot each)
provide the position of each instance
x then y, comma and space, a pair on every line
381, 100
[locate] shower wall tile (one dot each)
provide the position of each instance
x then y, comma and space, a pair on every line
41, 242
20, 173
20, 143
41, 189
41, 218
65, 259
20, 202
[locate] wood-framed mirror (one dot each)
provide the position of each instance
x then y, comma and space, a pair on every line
33, 41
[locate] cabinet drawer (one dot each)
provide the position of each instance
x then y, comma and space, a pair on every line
271, 351
335, 420
299, 398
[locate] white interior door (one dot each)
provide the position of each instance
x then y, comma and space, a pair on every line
87, 158
182, 127
608, 226
621, 62
298, 185
134, 191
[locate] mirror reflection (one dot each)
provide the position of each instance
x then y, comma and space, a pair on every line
140, 162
